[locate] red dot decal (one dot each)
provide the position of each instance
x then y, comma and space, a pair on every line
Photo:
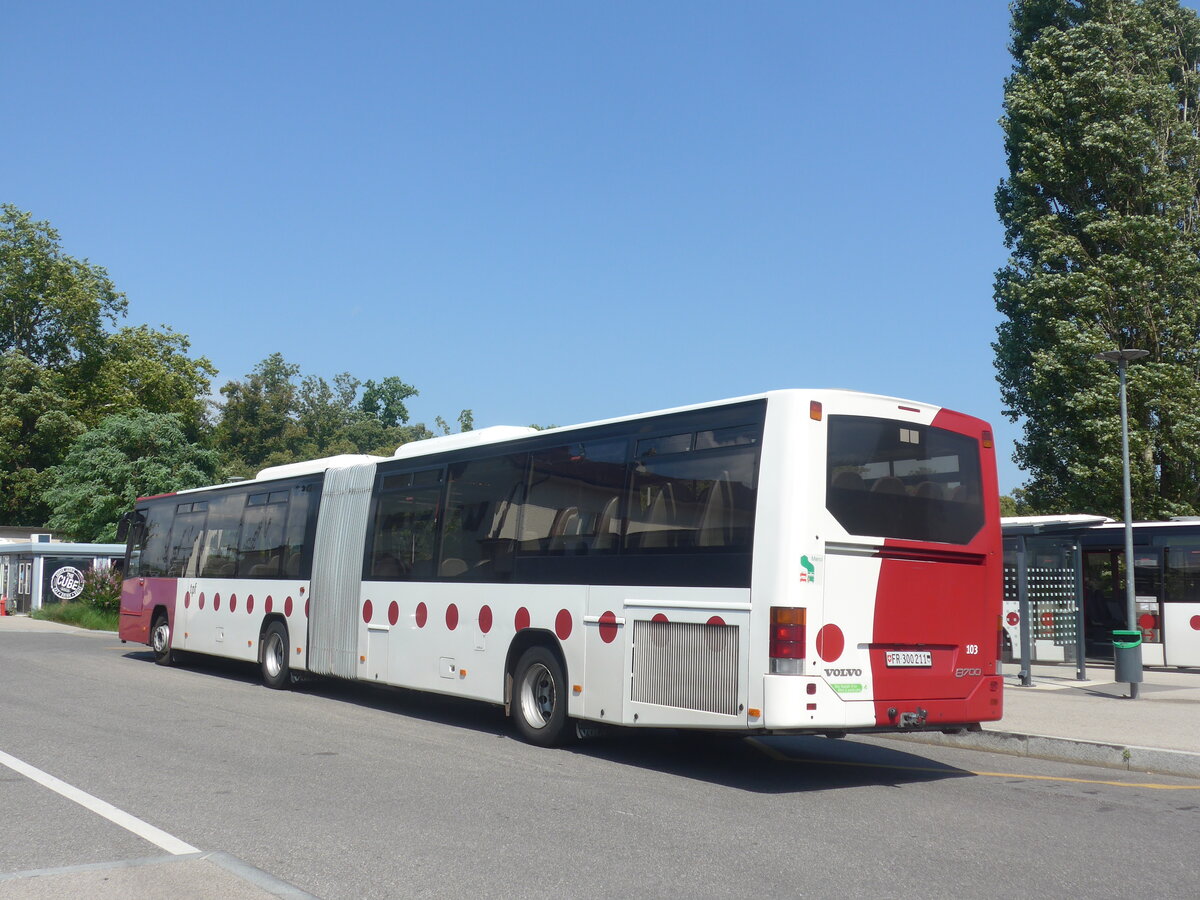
1013, 618
659, 617
716, 620
393, 612
608, 627
451, 616
830, 643
521, 619
422, 615
563, 624
287, 606
1146, 620
306, 610
485, 619
202, 600
1195, 623
270, 603
187, 600
250, 604
233, 602
367, 611
216, 601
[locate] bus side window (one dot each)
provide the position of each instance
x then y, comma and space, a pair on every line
699, 500
483, 501
187, 533
260, 541
218, 558
573, 506
152, 559
404, 533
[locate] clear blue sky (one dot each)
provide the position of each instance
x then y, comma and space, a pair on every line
546, 212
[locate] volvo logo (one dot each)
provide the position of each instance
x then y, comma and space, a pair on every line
844, 673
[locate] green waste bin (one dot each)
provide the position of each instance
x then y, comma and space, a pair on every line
1127, 656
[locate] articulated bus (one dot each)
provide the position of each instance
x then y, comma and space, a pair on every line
796, 561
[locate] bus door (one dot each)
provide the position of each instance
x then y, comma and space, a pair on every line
1181, 607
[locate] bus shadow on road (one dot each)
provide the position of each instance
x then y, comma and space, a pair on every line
773, 764
769, 764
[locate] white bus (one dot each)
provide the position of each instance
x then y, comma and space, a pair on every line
795, 561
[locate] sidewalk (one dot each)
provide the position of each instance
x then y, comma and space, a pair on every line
1094, 721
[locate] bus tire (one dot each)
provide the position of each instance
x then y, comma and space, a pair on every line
274, 656
160, 639
539, 703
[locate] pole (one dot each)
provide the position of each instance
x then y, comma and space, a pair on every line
1130, 591
1025, 611
1080, 634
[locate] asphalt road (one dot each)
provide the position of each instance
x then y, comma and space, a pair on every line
354, 791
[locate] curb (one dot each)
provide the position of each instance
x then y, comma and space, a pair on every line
1128, 757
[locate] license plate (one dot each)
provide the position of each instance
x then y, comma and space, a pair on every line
910, 658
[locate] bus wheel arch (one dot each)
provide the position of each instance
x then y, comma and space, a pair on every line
536, 688
273, 644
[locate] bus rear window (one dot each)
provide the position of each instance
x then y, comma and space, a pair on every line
900, 480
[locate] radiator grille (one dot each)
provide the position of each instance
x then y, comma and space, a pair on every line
686, 665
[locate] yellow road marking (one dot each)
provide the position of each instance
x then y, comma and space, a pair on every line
783, 757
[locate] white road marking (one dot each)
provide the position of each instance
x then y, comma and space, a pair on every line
144, 830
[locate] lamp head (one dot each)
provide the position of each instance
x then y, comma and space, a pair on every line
1119, 355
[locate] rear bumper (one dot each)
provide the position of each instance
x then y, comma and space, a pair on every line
792, 702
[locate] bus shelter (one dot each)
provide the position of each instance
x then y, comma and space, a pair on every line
40, 570
1043, 618
1064, 592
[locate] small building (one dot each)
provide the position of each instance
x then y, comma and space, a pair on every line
35, 569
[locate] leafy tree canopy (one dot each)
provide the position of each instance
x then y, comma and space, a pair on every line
275, 415
127, 456
39, 420
1101, 214
144, 368
52, 307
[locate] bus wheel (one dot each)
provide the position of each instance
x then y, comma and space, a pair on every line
539, 707
160, 639
275, 672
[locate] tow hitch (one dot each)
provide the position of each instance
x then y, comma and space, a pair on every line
910, 719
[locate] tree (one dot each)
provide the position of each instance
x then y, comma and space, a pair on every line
1102, 216
385, 401
39, 420
268, 418
52, 307
257, 420
143, 368
127, 456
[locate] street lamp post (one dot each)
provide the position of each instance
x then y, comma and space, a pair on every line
1122, 358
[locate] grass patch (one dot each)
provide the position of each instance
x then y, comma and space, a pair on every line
81, 615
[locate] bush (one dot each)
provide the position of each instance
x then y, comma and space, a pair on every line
80, 615
102, 590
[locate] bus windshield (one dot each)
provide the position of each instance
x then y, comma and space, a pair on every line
897, 479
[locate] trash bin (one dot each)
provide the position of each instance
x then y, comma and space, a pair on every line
1127, 656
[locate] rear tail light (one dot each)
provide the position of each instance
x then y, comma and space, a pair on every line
787, 646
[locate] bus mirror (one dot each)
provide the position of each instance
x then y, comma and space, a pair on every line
133, 517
